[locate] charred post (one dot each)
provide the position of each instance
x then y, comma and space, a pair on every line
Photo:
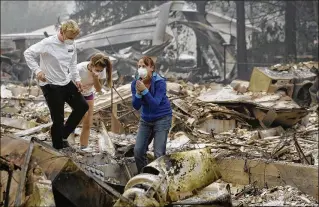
242, 69
290, 32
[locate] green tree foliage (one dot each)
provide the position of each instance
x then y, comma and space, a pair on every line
26, 16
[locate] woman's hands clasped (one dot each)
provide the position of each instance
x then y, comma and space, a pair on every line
140, 86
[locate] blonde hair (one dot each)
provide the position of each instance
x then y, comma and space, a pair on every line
99, 59
70, 26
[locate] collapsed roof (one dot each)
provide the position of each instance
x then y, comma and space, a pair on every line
148, 26
154, 26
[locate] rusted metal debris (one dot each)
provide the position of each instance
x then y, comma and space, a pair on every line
231, 120
59, 169
248, 179
151, 177
172, 178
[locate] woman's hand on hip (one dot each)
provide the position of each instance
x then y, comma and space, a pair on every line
41, 76
79, 85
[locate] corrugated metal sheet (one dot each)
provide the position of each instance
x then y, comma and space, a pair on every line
117, 36
140, 27
118, 33
144, 20
115, 40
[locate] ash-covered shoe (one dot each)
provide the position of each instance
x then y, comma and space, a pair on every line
86, 149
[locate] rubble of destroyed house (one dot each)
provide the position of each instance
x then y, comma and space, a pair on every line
231, 121
244, 143
179, 44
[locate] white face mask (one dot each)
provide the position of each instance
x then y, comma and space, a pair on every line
142, 73
68, 42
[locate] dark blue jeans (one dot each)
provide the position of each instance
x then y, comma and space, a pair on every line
146, 132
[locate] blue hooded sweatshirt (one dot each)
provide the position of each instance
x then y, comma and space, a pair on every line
154, 102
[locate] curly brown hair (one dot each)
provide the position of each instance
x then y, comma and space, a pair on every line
99, 59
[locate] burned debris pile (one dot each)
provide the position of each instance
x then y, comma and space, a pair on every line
269, 121
275, 196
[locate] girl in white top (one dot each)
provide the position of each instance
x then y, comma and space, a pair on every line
91, 72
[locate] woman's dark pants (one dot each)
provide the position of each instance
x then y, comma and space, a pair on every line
56, 96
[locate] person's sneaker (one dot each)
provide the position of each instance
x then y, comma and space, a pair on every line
71, 138
86, 149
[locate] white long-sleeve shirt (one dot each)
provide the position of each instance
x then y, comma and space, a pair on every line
56, 60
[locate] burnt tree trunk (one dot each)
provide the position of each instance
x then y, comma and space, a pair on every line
290, 32
201, 5
242, 70
315, 10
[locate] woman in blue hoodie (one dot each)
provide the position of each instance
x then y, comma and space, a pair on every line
149, 94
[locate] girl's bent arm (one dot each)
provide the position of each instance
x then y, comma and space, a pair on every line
97, 84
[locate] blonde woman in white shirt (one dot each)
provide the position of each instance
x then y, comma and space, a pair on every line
91, 72
57, 57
